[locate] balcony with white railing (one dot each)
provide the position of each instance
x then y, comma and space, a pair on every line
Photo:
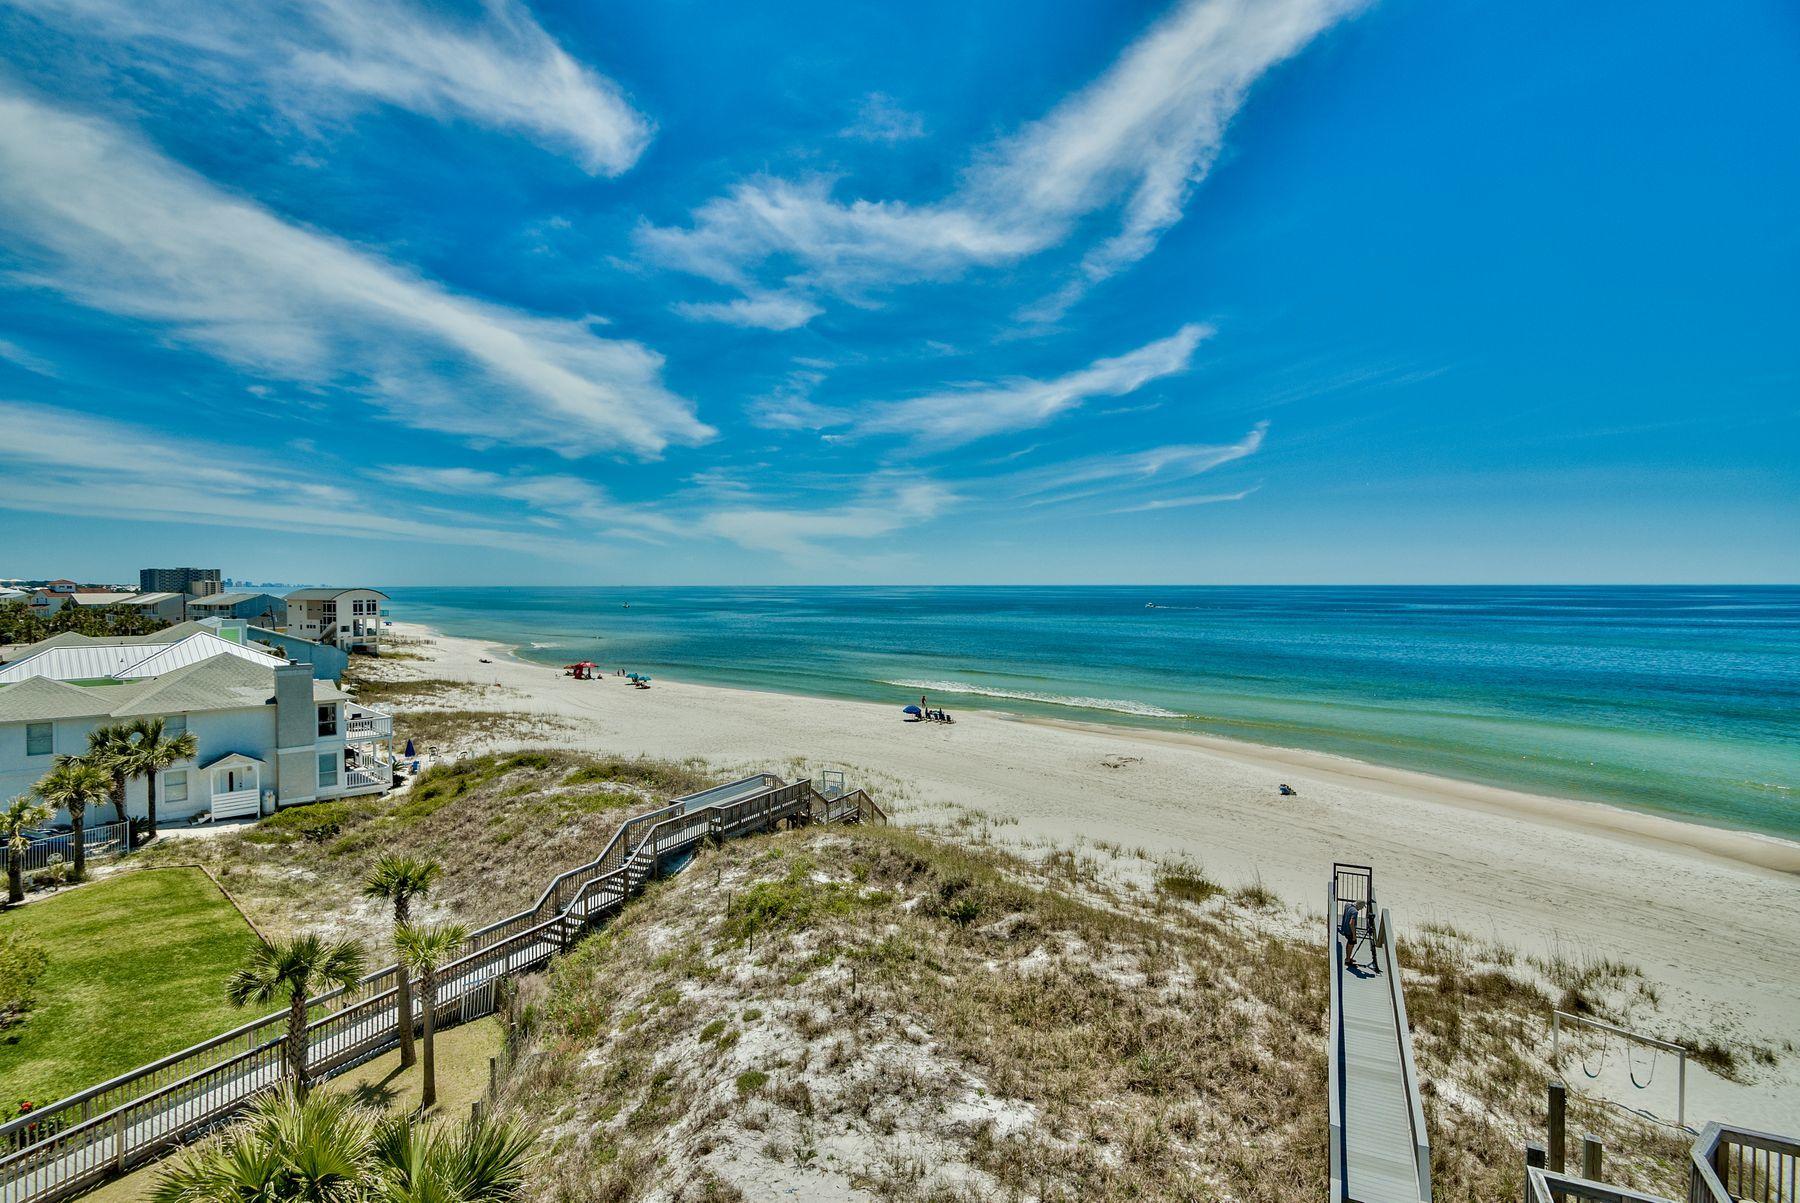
364, 723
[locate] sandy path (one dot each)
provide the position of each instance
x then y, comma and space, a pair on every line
1713, 917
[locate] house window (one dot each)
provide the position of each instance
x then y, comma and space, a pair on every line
175, 785
174, 726
327, 720
328, 771
40, 739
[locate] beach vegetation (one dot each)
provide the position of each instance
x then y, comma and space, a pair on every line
328, 1147
290, 971
500, 825
1185, 880
19, 624
22, 963
1119, 1048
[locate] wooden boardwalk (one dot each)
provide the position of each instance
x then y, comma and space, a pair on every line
1380, 1152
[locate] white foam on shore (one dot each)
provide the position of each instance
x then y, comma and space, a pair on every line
1116, 705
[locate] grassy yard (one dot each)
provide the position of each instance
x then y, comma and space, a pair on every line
137, 970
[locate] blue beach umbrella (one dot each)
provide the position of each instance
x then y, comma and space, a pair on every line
914, 710
408, 754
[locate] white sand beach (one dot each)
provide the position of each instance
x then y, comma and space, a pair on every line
1712, 917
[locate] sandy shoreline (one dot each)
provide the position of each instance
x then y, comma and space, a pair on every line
1712, 916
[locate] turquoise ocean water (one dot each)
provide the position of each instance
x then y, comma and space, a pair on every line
1679, 700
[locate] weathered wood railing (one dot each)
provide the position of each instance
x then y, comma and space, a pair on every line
1725, 1165
1737, 1163
66, 1148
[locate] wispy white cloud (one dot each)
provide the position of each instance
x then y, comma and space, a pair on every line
1176, 503
975, 411
61, 462
18, 356
321, 59
880, 118
560, 499
884, 507
763, 311
1137, 140
1082, 477
108, 221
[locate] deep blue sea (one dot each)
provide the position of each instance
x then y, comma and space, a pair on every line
1680, 700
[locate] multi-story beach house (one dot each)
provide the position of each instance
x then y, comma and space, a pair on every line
269, 734
348, 618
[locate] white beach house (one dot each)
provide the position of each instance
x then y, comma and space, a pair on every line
269, 735
348, 618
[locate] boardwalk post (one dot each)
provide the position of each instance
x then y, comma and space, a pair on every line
493, 1077
1559, 1104
1534, 1160
1591, 1154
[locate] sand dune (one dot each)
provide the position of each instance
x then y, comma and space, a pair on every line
1713, 917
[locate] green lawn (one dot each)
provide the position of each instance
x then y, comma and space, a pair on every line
137, 970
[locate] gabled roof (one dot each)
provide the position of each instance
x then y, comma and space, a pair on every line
79, 661
220, 683
326, 594
40, 699
70, 657
162, 638
232, 758
202, 645
154, 599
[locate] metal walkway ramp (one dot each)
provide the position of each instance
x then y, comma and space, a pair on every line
1379, 1150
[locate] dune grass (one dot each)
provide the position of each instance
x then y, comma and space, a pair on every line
137, 967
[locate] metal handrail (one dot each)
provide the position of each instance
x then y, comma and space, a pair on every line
1333, 1072
1408, 1068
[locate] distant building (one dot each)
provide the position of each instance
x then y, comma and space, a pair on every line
351, 619
269, 734
265, 609
195, 582
170, 607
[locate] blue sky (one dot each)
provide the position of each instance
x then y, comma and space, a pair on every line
1293, 290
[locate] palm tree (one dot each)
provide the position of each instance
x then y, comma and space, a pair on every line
294, 969
151, 753
20, 815
326, 1148
423, 949
108, 747
75, 785
401, 879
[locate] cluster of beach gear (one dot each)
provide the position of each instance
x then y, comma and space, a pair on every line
921, 714
587, 670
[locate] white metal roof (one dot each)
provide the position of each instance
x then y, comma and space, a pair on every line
202, 645
128, 661
80, 661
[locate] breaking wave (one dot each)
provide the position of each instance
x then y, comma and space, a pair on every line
1116, 705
